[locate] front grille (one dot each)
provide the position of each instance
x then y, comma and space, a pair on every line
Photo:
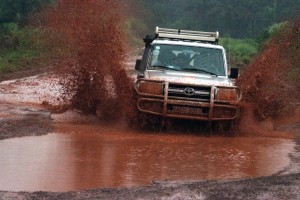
189, 92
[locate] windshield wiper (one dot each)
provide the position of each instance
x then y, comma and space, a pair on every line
199, 70
163, 67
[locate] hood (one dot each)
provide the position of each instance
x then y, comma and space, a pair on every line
188, 77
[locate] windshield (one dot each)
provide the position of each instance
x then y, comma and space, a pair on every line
187, 58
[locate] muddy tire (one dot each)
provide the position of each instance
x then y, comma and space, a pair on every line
227, 127
149, 122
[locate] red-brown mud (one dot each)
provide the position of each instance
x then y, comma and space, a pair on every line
250, 125
95, 80
270, 83
95, 155
94, 77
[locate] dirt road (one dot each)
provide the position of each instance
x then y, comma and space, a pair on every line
275, 187
23, 114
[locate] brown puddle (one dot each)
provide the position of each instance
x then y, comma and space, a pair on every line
91, 156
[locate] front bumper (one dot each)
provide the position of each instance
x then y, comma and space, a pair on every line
152, 101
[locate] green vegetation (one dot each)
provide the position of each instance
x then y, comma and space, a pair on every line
270, 32
21, 48
19, 11
271, 81
12, 60
21, 45
237, 19
239, 51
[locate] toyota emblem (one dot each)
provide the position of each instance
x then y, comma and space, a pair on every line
189, 91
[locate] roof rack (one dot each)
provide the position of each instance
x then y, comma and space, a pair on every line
211, 37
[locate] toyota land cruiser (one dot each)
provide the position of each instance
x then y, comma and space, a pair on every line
184, 74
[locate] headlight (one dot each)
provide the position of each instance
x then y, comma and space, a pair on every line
226, 94
151, 88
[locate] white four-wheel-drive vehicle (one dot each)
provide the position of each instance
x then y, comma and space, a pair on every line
184, 74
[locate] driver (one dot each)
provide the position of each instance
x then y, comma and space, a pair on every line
166, 57
183, 60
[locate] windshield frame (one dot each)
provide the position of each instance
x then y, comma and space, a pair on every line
189, 46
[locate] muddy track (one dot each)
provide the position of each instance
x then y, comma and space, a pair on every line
25, 73
37, 121
20, 121
24, 119
274, 187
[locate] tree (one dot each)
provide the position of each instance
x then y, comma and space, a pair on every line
18, 10
244, 18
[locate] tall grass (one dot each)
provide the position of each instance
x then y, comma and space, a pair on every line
239, 51
22, 49
32, 49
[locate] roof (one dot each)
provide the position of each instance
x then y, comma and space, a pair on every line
187, 43
201, 36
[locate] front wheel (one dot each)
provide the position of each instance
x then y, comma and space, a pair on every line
228, 127
149, 122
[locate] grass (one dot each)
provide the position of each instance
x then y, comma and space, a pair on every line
32, 50
25, 52
14, 59
239, 51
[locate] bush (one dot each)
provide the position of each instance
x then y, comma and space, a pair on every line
270, 32
22, 48
239, 51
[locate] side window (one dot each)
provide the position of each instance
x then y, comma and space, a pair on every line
155, 54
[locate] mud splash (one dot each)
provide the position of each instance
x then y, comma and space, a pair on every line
269, 84
94, 77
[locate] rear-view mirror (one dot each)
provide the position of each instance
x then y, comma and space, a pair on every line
137, 64
234, 73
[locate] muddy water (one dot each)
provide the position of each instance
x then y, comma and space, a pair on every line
97, 155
